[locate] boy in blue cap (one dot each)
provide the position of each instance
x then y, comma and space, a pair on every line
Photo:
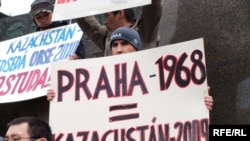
125, 40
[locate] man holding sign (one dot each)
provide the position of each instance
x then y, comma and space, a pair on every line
124, 113
147, 25
125, 40
41, 12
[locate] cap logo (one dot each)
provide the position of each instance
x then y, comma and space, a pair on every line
136, 41
117, 35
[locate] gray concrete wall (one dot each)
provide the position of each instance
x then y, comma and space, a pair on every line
225, 27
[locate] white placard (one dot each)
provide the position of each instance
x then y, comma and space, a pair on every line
71, 9
25, 61
154, 94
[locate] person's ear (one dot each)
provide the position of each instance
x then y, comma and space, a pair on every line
121, 13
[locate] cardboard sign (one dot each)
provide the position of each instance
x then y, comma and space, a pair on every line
154, 94
25, 61
71, 9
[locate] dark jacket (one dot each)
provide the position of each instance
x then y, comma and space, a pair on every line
147, 26
39, 107
80, 51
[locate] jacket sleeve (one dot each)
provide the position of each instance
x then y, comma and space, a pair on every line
150, 19
80, 50
94, 30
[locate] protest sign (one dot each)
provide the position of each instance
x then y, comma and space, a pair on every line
25, 61
154, 94
83, 8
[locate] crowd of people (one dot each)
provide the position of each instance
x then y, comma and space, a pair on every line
134, 35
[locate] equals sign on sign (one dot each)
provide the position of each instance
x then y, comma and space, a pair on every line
124, 108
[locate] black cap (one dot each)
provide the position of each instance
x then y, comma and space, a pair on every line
41, 6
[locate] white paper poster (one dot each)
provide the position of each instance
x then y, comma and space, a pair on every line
25, 61
154, 94
71, 9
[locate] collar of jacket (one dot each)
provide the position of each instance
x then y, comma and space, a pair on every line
53, 25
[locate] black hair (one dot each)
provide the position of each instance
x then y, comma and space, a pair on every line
36, 128
129, 14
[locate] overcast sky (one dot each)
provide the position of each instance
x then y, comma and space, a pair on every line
15, 7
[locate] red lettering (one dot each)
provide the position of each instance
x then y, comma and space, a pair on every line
21, 76
39, 80
24, 82
58, 138
186, 130
34, 77
65, 1
8, 84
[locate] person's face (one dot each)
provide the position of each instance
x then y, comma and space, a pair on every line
121, 47
18, 132
112, 21
43, 19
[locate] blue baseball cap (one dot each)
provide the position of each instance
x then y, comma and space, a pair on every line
128, 34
